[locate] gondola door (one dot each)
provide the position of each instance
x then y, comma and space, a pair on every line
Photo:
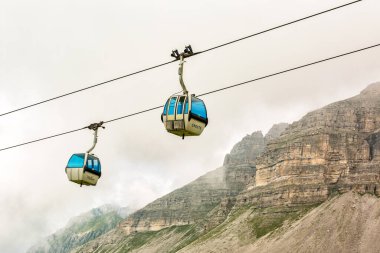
179, 123
170, 116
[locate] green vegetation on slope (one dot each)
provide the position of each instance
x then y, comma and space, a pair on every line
190, 235
268, 220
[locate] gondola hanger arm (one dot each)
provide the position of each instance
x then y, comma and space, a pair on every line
95, 127
181, 57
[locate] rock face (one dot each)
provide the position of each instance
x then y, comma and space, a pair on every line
251, 146
184, 206
240, 163
275, 132
246, 151
335, 148
81, 230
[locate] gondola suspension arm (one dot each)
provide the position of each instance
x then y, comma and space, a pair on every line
181, 57
95, 127
180, 73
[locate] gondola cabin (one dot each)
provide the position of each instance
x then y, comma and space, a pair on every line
83, 169
184, 115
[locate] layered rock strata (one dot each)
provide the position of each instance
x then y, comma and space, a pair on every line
336, 148
181, 207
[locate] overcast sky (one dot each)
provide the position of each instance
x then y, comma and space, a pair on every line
52, 47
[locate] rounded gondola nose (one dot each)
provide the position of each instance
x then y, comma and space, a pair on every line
184, 115
83, 169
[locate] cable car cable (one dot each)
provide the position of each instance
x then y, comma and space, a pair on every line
92, 127
87, 88
288, 70
203, 94
44, 138
132, 114
277, 27
166, 63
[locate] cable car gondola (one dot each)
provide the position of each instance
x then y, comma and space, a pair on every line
85, 168
184, 115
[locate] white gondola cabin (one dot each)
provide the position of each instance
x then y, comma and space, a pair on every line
84, 169
184, 115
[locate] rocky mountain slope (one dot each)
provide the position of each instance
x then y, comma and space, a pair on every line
345, 223
311, 186
82, 229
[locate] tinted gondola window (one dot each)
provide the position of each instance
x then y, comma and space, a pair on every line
97, 165
93, 164
186, 106
180, 105
89, 163
76, 161
172, 105
166, 107
198, 108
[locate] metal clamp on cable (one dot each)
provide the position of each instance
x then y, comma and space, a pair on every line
95, 126
186, 53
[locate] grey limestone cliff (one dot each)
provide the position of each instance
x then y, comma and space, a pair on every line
332, 149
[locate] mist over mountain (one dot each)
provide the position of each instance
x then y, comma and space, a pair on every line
82, 229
